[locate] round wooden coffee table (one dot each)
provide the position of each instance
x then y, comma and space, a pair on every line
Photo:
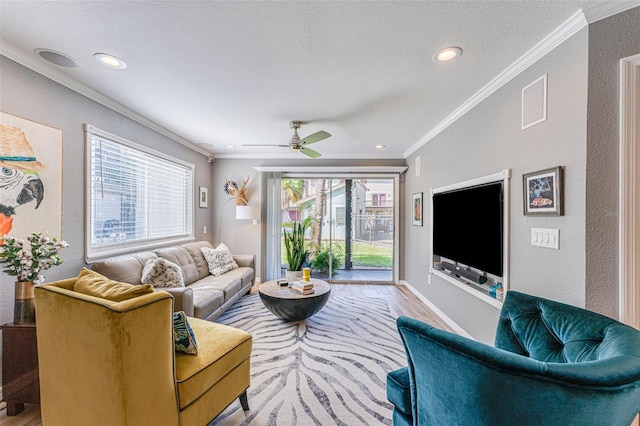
290, 306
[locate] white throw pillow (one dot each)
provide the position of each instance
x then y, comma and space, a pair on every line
219, 259
162, 273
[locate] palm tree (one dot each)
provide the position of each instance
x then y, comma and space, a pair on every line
318, 211
292, 191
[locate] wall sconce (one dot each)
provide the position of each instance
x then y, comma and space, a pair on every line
248, 212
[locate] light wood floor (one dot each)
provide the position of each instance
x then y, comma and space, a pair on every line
400, 300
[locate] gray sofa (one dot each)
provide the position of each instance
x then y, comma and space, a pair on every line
204, 296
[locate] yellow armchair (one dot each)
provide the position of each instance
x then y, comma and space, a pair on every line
114, 363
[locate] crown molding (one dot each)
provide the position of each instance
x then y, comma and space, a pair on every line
17, 55
295, 156
604, 10
568, 28
347, 170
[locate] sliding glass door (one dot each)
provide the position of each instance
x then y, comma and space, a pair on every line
351, 236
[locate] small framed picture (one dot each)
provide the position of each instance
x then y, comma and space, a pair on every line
204, 197
417, 209
542, 192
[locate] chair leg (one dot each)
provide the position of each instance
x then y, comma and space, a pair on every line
244, 402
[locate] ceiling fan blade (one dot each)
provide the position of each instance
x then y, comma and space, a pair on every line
316, 137
256, 144
310, 152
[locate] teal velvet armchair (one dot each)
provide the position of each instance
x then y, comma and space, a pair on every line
552, 364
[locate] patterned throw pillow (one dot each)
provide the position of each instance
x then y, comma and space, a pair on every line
183, 337
220, 259
162, 273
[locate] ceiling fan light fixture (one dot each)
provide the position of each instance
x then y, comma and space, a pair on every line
300, 145
110, 61
447, 54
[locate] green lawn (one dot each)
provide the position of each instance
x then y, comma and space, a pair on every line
369, 255
364, 255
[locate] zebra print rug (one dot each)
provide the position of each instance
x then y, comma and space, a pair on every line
328, 370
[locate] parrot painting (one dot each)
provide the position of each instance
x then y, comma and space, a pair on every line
19, 180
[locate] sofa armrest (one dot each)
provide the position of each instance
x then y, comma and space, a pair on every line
247, 260
183, 299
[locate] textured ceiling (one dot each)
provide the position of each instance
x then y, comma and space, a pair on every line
231, 73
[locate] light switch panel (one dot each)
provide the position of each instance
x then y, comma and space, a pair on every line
548, 238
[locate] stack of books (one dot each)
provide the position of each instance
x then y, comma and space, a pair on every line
301, 287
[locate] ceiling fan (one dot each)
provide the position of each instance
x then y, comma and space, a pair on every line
300, 145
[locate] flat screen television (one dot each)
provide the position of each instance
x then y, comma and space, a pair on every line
468, 226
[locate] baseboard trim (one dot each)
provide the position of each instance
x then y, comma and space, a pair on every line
451, 323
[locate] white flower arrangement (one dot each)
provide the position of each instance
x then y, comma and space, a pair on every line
26, 260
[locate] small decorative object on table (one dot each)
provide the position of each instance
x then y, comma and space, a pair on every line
499, 292
301, 287
496, 291
26, 260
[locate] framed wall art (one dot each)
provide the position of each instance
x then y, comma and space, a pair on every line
31, 187
417, 209
543, 192
204, 197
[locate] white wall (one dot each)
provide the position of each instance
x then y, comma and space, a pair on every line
489, 139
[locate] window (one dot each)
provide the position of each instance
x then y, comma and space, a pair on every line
136, 197
341, 215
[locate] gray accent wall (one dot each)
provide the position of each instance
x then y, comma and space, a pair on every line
30, 95
240, 235
610, 40
487, 140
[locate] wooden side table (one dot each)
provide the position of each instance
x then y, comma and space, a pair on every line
20, 381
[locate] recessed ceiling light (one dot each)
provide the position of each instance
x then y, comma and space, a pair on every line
380, 146
56, 58
110, 61
229, 146
447, 54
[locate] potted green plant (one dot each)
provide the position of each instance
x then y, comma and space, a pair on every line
294, 244
320, 262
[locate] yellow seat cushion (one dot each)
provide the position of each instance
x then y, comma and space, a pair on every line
93, 284
220, 349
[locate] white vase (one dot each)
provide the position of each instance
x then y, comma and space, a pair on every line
293, 275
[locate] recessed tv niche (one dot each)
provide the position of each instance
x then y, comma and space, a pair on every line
469, 225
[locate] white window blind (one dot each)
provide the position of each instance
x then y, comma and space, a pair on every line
136, 197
